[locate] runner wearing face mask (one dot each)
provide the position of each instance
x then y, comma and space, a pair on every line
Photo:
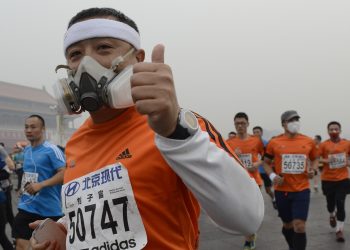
140, 169
334, 154
295, 157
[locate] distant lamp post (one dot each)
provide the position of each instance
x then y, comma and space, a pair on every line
59, 124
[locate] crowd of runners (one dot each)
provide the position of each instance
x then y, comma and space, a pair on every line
288, 162
284, 166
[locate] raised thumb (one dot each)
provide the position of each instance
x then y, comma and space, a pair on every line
158, 53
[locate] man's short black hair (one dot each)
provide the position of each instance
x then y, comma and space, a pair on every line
318, 137
258, 127
333, 123
241, 115
39, 117
102, 12
2, 144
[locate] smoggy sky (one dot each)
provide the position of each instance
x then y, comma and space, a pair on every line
259, 57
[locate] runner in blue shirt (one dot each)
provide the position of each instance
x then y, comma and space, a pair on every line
43, 168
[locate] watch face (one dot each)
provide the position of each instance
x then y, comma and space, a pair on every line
191, 120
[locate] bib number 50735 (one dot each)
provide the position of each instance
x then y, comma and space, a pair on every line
79, 219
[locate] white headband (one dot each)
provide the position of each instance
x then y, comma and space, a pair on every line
101, 28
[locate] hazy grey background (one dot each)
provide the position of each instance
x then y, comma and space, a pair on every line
260, 57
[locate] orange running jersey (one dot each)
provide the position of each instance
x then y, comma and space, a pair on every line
169, 211
250, 149
291, 157
338, 153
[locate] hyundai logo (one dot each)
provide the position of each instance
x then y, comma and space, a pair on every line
72, 188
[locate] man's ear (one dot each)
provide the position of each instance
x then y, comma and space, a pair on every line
140, 55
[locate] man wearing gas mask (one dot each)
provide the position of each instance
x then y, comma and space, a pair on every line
139, 167
295, 157
334, 154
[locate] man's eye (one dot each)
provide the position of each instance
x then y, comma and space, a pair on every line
74, 54
104, 47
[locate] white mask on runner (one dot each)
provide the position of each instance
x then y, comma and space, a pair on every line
293, 127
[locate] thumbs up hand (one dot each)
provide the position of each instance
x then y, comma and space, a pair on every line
153, 91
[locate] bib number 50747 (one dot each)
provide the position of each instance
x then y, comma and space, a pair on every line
79, 219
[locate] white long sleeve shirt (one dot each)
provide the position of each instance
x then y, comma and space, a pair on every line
224, 189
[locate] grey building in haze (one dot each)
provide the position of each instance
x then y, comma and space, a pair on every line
18, 102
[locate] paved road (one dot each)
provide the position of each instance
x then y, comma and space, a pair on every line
320, 235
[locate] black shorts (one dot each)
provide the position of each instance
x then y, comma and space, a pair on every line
21, 228
293, 205
266, 179
332, 187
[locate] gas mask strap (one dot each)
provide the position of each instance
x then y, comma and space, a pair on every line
120, 59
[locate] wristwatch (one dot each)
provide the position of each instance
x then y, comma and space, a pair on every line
187, 125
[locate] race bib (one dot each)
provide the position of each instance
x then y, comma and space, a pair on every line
101, 211
337, 160
246, 159
28, 177
293, 163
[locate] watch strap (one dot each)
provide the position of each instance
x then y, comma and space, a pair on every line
180, 133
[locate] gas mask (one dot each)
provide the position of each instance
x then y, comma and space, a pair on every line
293, 127
92, 86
